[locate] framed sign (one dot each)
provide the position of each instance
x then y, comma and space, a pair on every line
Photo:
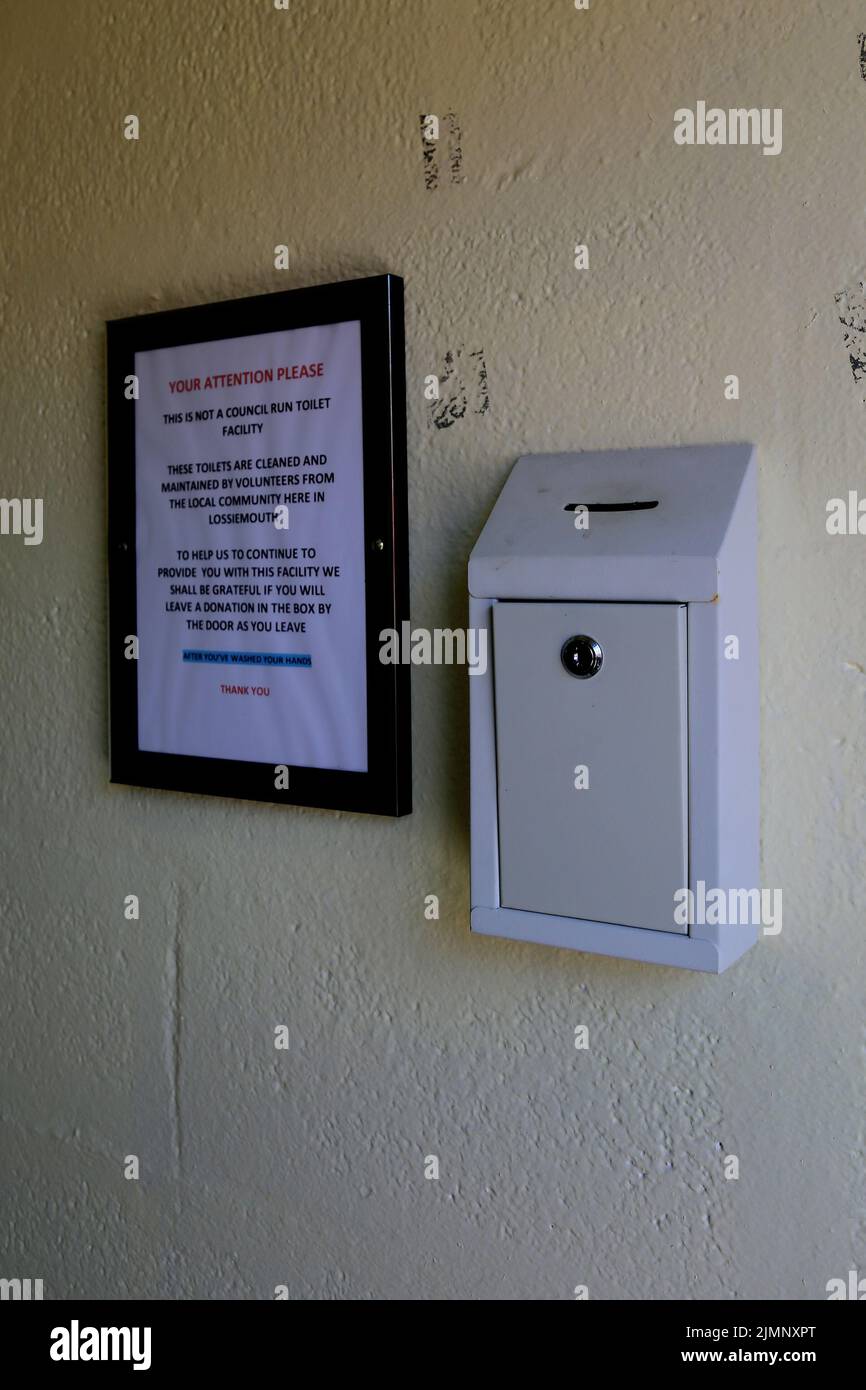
257, 548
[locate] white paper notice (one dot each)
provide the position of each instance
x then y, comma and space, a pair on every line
250, 549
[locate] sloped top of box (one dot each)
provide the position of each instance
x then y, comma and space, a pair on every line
668, 552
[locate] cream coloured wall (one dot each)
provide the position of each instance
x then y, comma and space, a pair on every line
408, 1038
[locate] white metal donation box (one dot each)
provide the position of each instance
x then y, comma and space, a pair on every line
614, 732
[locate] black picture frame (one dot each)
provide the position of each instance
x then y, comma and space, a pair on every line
377, 302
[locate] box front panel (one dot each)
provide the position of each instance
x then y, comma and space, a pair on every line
591, 754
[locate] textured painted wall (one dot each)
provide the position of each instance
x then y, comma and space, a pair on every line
408, 1037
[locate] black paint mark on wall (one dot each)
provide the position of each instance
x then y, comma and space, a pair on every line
431, 135
481, 368
428, 151
462, 384
852, 316
861, 39
455, 147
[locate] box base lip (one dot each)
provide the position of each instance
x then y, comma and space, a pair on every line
607, 939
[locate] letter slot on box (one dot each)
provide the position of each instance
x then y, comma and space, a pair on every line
614, 730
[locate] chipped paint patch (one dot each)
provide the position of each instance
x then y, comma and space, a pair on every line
453, 155
465, 377
852, 316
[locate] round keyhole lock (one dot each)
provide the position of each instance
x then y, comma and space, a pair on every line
581, 656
